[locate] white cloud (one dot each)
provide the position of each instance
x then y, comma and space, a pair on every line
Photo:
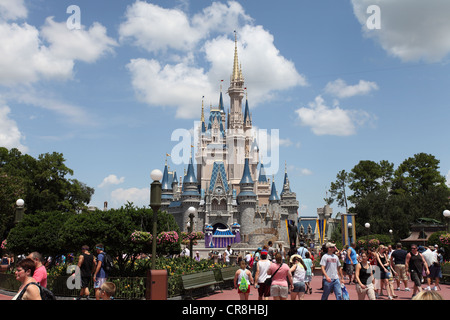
110, 180
411, 30
139, 197
84, 44
183, 77
180, 85
340, 88
155, 28
26, 59
12, 10
325, 120
10, 135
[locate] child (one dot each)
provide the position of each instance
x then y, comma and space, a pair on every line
107, 291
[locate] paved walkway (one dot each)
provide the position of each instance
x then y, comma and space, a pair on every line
231, 294
317, 294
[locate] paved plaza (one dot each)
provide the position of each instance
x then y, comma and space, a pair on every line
317, 294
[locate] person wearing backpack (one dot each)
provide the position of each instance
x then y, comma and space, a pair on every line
100, 274
242, 281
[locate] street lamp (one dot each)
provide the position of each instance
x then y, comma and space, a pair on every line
20, 208
446, 214
367, 225
349, 225
191, 212
155, 204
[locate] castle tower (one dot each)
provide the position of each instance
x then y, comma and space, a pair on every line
190, 197
289, 199
246, 200
166, 189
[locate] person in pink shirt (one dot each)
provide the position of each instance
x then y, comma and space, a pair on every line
279, 289
40, 273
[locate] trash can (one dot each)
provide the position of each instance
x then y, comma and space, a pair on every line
156, 285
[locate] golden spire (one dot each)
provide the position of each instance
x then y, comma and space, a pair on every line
236, 70
203, 111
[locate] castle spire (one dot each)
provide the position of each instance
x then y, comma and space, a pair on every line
237, 69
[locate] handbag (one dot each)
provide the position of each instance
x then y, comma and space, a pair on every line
268, 281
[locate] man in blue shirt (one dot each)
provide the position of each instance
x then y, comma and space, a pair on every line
350, 262
99, 274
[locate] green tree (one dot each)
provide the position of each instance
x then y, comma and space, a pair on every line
338, 190
46, 181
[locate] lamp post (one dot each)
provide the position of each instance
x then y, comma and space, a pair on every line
155, 204
20, 208
349, 225
367, 225
192, 212
446, 214
391, 234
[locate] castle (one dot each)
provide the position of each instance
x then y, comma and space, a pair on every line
234, 202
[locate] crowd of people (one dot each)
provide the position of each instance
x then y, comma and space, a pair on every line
31, 272
279, 274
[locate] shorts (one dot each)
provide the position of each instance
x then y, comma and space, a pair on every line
435, 270
349, 269
263, 290
85, 281
299, 287
98, 283
246, 292
308, 278
279, 291
416, 278
400, 272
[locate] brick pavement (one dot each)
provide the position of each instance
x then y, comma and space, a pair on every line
317, 294
231, 294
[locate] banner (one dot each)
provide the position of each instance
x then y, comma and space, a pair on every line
321, 225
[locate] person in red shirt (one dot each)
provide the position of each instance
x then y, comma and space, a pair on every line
40, 273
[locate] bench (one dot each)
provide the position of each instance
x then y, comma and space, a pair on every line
199, 280
227, 274
445, 273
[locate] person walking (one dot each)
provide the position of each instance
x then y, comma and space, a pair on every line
301, 251
309, 272
86, 265
364, 278
350, 262
243, 274
280, 274
383, 263
298, 271
24, 273
100, 275
398, 257
40, 273
415, 264
332, 273
431, 257
262, 266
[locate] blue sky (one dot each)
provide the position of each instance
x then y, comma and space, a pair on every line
110, 94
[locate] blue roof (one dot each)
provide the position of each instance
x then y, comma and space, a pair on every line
262, 174
246, 112
218, 168
221, 102
165, 183
190, 175
223, 233
273, 194
246, 176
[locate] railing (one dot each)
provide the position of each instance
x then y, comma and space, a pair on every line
126, 288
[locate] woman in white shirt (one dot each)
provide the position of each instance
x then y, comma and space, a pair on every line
298, 270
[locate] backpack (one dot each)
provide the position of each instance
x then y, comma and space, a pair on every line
46, 294
107, 263
243, 286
